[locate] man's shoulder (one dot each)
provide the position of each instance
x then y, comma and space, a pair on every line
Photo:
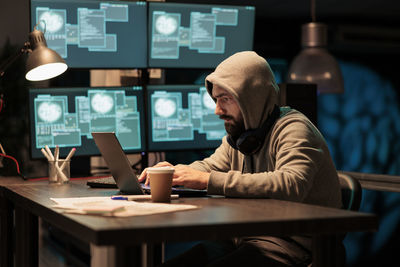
288, 113
292, 118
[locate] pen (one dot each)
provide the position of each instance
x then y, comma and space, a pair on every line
119, 198
49, 152
138, 197
56, 152
70, 154
59, 171
45, 154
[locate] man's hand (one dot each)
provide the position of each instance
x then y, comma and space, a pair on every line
190, 178
183, 175
143, 175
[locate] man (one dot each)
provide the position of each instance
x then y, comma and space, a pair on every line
269, 152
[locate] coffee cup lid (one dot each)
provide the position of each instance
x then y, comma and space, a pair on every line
166, 169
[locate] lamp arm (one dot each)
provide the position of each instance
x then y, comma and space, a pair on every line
4, 66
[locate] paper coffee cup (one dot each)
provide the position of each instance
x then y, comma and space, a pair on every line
160, 183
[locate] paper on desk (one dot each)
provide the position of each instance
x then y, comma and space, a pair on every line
105, 206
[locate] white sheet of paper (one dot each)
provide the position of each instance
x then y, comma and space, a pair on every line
105, 206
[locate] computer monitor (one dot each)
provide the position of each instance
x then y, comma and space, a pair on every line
181, 117
197, 35
94, 34
67, 116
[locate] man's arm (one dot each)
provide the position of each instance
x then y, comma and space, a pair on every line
190, 178
197, 174
220, 160
298, 152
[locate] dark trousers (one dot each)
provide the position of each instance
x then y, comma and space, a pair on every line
259, 251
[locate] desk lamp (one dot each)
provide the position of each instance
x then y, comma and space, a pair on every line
314, 64
43, 63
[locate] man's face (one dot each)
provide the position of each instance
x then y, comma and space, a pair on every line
228, 110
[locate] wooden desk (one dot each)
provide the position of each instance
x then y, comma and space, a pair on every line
7, 221
218, 218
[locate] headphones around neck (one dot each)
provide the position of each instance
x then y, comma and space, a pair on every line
251, 140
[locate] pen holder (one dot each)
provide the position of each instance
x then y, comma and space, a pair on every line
60, 175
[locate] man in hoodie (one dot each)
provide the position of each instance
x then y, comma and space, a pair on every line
268, 152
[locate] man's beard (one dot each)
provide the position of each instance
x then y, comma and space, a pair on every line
235, 127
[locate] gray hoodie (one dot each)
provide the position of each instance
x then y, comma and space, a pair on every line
293, 163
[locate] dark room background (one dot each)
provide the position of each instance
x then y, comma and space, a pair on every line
361, 126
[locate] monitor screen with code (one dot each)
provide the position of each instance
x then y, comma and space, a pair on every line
94, 34
181, 117
67, 116
197, 35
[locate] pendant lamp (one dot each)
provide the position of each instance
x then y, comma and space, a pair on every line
314, 64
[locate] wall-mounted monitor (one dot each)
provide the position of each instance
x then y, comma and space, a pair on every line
67, 116
181, 117
197, 35
94, 34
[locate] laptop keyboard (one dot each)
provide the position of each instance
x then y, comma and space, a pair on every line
109, 182
104, 182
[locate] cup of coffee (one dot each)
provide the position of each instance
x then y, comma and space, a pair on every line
160, 183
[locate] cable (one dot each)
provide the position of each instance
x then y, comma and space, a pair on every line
1, 102
16, 163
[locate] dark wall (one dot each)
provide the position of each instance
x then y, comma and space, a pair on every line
14, 27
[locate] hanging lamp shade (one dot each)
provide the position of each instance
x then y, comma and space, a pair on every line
43, 63
314, 64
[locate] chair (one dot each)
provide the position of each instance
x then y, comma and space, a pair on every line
351, 192
351, 200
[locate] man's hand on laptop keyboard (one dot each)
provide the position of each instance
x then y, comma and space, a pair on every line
183, 176
190, 178
143, 175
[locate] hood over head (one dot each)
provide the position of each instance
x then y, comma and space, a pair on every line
249, 78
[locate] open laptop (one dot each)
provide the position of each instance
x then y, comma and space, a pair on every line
121, 170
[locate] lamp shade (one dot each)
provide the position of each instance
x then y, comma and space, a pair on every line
314, 64
42, 63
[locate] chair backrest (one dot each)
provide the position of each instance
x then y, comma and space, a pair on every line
351, 192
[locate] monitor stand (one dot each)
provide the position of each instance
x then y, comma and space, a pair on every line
80, 167
145, 160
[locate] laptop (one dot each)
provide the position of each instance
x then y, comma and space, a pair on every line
125, 178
